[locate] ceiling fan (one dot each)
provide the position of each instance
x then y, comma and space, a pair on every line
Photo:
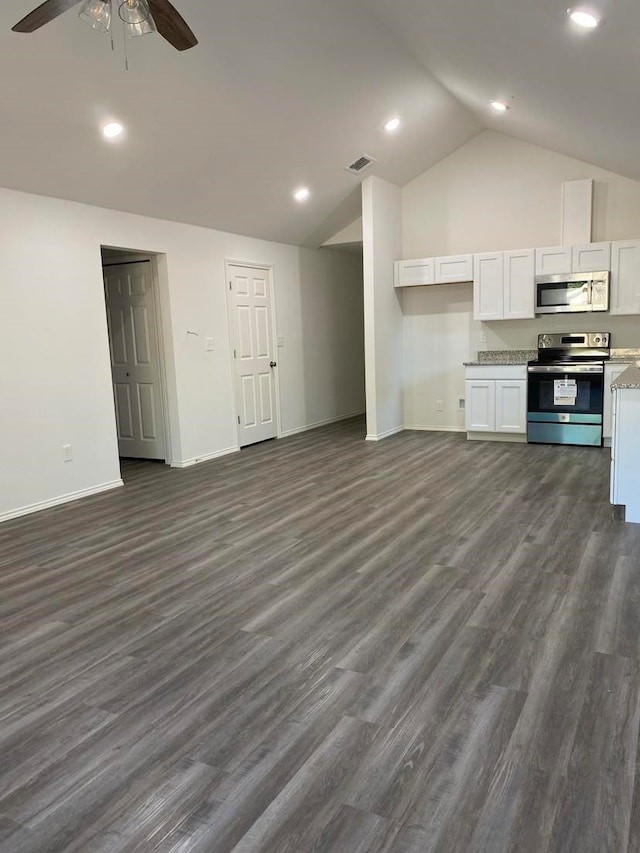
139, 16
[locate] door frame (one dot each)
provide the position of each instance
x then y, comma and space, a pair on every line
231, 329
130, 256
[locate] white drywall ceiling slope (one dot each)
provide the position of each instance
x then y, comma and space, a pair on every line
277, 94
576, 91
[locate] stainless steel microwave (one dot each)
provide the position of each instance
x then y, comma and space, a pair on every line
584, 291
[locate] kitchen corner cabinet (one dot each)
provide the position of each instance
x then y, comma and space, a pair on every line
503, 285
496, 399
624, 293
444, 270
625, 454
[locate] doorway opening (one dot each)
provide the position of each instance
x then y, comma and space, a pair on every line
137, 356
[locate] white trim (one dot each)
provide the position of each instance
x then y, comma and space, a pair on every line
429, 428
386, 434
324, 422
62, 499
207, 457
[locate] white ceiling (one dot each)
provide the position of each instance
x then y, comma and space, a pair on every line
288, 92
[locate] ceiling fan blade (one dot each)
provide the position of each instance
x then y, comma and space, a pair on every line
171, 25
46, 12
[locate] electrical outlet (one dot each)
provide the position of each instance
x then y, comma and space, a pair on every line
67, 453
461, 404
439, 406
483, 337
209, 344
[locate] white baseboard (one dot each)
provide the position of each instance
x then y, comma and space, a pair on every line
429, 428
207, 457
62, 499
386, 434
324, 422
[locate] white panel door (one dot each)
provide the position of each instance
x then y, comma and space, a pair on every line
250, 292
554, 259
453, 268
135, 369
519, 285
488, 286
511, 406
625, 277
415, 272
592, 257
480, 405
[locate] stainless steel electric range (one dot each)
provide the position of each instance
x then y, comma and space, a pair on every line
565, 389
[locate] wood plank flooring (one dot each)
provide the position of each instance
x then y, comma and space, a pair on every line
322, 644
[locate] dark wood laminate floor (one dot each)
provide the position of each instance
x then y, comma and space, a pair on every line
322, 644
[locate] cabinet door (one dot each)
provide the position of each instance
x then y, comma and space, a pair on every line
454, 268
554, 259
480, 405
592, 257
519, 285
418, 271
624, 297
488, 275
511, 406
611, 372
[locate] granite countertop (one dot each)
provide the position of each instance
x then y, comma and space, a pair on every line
522, 356
629, 378
503, 357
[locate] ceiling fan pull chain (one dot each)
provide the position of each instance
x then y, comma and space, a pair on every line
126, 52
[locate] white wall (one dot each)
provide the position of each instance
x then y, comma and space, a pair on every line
56, 383
493, 193
496, 192
381, 242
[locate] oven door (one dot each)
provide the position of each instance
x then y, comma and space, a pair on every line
565, 403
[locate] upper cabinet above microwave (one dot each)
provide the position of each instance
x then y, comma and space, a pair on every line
566, 259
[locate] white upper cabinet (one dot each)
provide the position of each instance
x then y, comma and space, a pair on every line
454, 268
433, 270
503, 285
554, 259
624, 296
591, 257
519, 284
488, 286
410, 273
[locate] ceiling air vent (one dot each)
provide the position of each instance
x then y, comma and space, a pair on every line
359, 165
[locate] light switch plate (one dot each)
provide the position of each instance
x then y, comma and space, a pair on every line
209, 344
280, 341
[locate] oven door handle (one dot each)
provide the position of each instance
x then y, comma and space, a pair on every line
567, 369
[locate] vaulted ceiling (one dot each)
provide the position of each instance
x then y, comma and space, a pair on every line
282, 93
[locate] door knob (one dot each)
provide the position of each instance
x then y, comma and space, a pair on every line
273, 364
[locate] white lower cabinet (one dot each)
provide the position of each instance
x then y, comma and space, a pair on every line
625, 452
611, 372
496, 399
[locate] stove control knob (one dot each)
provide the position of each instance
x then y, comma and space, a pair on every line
545, 341
597, 340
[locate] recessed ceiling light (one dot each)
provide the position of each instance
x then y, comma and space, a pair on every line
302, 194
392, 124
499, 106
583, 18
112, 129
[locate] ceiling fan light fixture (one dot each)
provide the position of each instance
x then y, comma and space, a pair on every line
136, 17
583, 17
97, 14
